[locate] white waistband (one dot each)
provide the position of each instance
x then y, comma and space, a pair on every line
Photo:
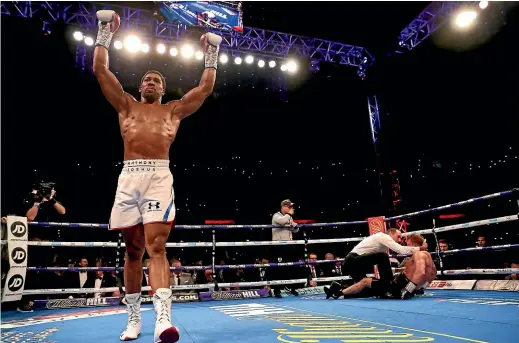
144, 166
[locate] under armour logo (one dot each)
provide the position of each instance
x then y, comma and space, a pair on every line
154, 206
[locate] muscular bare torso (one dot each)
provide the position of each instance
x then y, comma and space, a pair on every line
148, 130
430, 268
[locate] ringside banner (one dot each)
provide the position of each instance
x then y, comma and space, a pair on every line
17, 234
452, 284
211, 14
175, 298
497, 285
305, 291
234, 295
75, 303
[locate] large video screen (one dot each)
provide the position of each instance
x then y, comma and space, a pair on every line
222, 15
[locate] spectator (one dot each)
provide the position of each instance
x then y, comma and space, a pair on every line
328, 268
313, 270
146, 276
482, 242
337, 270
101, 280
260, 274
513, 276
482, 259
81, 279
179, 277
237, 275
197, 274
444, 245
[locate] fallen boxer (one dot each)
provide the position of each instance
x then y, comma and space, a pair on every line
419, 271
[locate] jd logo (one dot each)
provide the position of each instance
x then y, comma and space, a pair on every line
18, 255
18, 229
154, 206
15, 283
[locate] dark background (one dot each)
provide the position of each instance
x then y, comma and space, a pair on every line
450, 133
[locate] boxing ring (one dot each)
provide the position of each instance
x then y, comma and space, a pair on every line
471, 311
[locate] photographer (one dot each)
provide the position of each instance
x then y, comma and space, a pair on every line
44, 202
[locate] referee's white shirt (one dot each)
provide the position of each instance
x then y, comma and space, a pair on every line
379, 243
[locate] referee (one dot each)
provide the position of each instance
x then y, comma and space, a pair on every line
372, 251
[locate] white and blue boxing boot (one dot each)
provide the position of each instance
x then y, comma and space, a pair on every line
165, 332
133, 328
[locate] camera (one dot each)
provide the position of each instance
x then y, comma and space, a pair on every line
45, 188
40, 191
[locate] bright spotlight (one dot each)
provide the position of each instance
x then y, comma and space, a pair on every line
283, 67
187, 51
237, 60
466, 18
261, 63
78, 36
291, 66
146, 48
272, 64
89, 41
224, 58
483, 4
199, 55
132, 43
173, 52
249, 59
161, 48
118, 44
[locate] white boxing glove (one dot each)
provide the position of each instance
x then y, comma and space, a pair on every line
211, 46
109, 22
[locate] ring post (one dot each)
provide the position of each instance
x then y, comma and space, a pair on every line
213, 262
305, 237
118, 261
438, 251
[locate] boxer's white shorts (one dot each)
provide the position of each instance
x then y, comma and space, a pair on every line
144, 194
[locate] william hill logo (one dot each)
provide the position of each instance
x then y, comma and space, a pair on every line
235, 295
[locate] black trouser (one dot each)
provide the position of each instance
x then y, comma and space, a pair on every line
284, 253
357, 266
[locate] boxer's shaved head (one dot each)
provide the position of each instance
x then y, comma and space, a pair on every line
155, 72
153, 86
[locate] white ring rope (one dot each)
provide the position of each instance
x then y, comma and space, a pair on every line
466, 225
503, 271
262, 243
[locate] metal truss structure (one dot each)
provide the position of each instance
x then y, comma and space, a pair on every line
253, 40
435, 15
374, 119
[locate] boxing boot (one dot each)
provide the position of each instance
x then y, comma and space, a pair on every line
407, 291
335, 290
133, 328
165, 332
421, 291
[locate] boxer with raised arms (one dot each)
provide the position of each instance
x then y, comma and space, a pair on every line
144, 202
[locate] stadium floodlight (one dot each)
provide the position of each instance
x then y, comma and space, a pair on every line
78, 36
466, 18
132, 43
